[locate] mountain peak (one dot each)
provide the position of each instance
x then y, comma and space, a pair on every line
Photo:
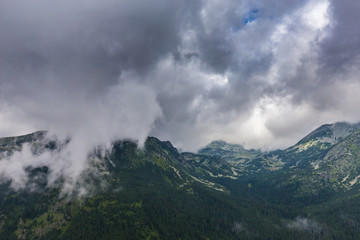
331, 133
221, 144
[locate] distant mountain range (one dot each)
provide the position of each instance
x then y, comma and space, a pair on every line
307, 191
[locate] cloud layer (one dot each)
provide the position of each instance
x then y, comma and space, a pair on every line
257, 73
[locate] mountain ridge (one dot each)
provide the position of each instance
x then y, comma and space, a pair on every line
158, 192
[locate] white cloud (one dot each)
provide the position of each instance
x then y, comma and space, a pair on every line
88, 123
304, 224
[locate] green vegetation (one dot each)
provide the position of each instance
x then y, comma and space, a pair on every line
308, 191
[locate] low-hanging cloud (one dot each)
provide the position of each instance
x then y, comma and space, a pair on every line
91, 124
306, 225
262, 74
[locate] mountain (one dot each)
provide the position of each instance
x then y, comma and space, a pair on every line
229, 152
328, 133
302, 155
311, 162
316, 144
235, 154
138, 196
338, 169
307, 191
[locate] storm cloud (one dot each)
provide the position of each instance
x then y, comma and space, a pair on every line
258, 73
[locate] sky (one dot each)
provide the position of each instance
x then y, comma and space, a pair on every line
258, 73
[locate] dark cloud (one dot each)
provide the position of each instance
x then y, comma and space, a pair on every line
341, 49
209, 72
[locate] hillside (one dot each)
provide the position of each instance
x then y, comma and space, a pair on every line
159, 193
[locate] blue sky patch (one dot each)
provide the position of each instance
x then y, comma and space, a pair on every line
251, 16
